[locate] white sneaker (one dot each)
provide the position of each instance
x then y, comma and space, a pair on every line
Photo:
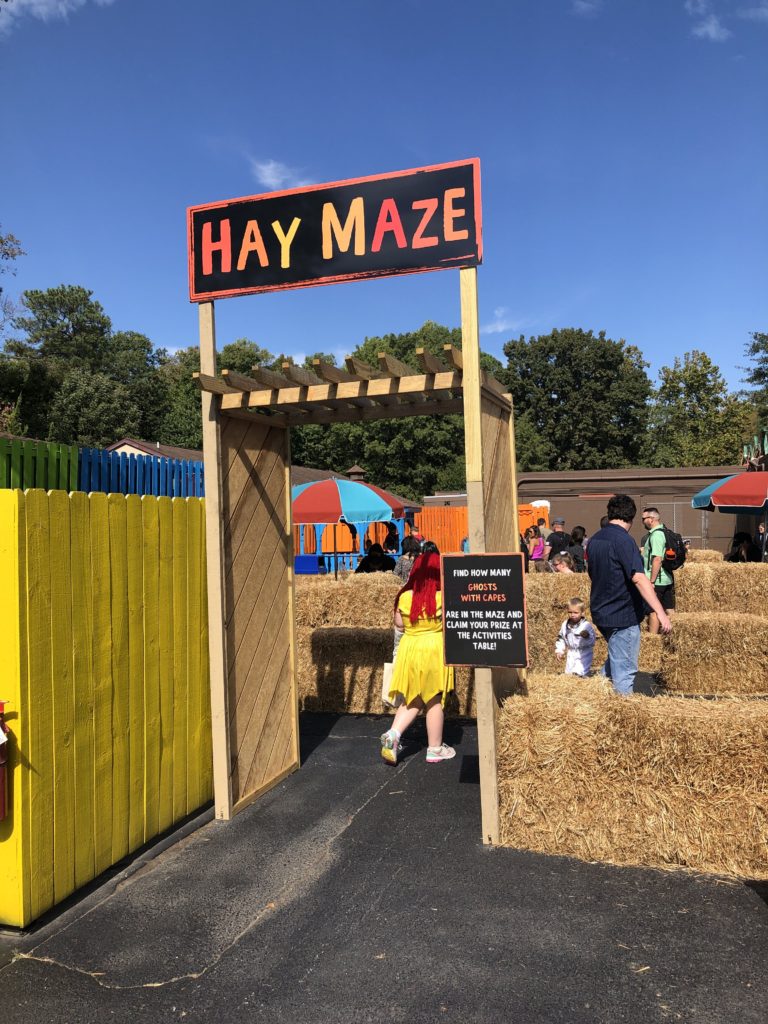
441, 753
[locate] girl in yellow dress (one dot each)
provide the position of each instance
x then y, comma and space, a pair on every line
420, 675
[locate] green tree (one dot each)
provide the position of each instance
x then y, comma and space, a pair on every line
241, 355
757, 374
580, 399
92, 409
693, 419
10, 250
132, 361
182, 424
65, 326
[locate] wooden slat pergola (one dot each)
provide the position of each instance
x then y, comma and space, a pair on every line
246, 434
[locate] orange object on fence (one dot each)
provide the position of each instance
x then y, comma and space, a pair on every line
448, 525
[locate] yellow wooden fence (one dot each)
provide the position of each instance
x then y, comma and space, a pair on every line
104, 640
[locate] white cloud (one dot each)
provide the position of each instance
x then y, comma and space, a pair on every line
708, 26
42, 10
586, 8
273, 175
759, 13
711, 28
503, 322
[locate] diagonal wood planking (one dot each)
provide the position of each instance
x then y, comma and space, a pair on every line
257, 579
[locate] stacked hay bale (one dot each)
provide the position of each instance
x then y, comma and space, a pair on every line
696, 555
711, 588
664, 783
716, 654
344, 634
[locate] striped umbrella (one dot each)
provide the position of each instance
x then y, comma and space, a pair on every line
745, 493
329, 501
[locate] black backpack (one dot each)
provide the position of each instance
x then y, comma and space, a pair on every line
674, 549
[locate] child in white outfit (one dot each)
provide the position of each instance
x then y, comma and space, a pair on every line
576, 640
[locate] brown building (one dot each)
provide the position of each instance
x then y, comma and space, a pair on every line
580, 498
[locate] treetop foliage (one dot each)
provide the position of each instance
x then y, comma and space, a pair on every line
582, 400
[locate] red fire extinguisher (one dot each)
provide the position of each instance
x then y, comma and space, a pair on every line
3, 762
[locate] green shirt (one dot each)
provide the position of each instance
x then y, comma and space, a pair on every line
656, 546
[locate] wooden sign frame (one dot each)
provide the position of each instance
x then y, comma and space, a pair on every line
251, 600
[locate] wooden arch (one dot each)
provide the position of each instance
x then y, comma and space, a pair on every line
246, 441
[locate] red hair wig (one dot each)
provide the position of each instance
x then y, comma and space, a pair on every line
424, 581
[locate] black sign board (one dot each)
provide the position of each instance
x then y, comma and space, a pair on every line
401, 223
484, 620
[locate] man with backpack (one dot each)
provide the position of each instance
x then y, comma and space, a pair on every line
661, 556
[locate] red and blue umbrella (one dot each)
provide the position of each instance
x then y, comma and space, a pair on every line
330, 501
744, 493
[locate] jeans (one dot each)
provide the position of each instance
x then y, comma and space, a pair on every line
623, 654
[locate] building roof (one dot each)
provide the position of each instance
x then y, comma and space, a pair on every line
165, 451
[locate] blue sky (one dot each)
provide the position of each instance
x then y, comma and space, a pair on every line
623, 148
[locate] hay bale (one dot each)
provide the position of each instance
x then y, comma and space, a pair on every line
723, 654
696, 555
723, 587
341, 669
365, 600
655, 782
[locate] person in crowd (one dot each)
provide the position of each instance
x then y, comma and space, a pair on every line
576, 548
526, 555
535, 544
743, 549
759, 537
558, 540
409, 552
562, 562
430, 548
420, 676
465, 545
620, 590
392, 540
418, 536
604, 520
654, 547
376, 561
576, 640
543, 528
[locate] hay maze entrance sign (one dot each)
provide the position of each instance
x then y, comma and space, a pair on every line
484, 610
402, 223
427, 219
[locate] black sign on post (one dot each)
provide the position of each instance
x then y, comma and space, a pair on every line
484, 620
401, 223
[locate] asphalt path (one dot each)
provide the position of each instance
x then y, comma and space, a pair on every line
357, 892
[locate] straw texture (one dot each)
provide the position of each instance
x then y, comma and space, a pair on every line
716, 654
666, 782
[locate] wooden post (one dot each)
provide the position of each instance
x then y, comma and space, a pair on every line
487, 708
222, 786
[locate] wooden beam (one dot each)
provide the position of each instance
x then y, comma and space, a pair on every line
255, 416
375, 412
222, 782
391, 367
361, 370
214, 385
239, 380
379, 389
298, 375
270, 379
453, 354
332, 374
430, 363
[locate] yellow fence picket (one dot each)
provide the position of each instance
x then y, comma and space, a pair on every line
63, 751
135, 585
150, 523
118, 546
39, 699
15, 896
165, 810
82, 679
179, 651
102, 681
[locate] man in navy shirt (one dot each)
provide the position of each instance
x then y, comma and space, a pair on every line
619, 586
